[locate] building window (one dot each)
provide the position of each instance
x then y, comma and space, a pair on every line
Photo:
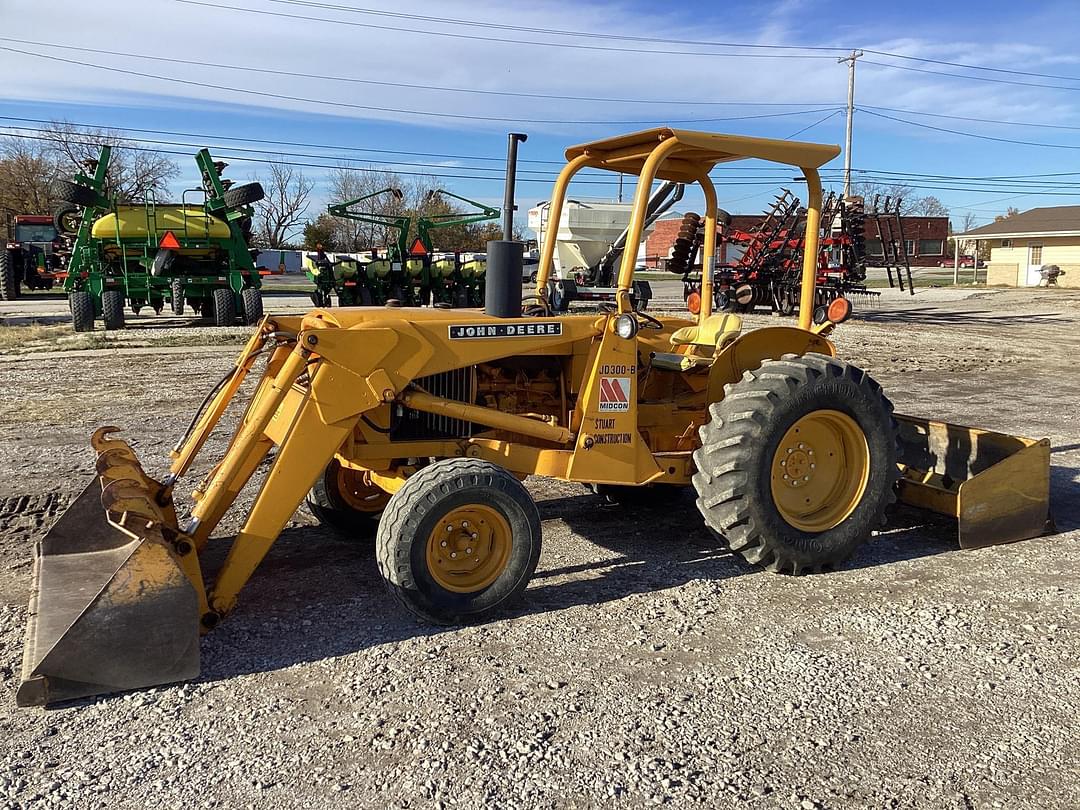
1036, 254
909, 247
873, 247
1006, 243
931, 247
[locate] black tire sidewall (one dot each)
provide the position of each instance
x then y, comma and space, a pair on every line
252, 305
81, 305
112, 309
423, 502
466, 604
825, 393
223, 306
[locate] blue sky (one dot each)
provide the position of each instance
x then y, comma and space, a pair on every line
694, 85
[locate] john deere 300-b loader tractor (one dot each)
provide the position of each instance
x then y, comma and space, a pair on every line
420, 424
145, 254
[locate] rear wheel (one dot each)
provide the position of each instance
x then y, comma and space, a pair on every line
177, 291
460, 539
9, 281
797, 463
112, 309
347, 501
223, 307
81, 304
252, 305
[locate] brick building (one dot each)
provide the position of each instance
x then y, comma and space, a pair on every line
926, 239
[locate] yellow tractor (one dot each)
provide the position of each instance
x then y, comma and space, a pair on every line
419, 425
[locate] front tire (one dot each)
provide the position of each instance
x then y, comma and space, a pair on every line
798, 463
459, 540
177, 292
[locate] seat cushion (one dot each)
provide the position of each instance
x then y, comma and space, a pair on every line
713, 333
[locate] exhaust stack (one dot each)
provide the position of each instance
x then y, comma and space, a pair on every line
502, 284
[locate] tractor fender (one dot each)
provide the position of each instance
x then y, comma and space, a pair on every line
751, 349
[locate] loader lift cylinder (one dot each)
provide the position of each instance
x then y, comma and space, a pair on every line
502, 283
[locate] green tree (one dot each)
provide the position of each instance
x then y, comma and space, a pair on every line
323, 231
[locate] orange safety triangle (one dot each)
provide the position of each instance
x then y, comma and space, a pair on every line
417, 248
169, 242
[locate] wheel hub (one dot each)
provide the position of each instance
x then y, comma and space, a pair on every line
468, 548
820, 470
359, 493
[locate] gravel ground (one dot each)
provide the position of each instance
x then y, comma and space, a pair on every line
645, 666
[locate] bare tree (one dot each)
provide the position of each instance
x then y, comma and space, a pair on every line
281, 212
928, 207
868, 190
26, 174
134, 174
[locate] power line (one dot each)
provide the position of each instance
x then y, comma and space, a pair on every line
501, 40
395, 110
969, 134
203, 139
966, 66
954, 75
552, 31
380, 83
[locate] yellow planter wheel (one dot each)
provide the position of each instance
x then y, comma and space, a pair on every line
459, 540
798, 463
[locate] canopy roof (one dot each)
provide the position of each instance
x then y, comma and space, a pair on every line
697, 152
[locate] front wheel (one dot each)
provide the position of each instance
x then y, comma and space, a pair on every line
459, 540
798, 463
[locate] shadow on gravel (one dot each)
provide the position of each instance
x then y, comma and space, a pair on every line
315, 597
938, 316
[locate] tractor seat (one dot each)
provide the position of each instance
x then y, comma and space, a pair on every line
710, 336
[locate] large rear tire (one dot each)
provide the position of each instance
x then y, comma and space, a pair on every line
251, 305
223, 306
81, 304
112, 309
459, 540
346, 501
798, 463
9, 281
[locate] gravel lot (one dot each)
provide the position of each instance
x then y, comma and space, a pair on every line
645, 666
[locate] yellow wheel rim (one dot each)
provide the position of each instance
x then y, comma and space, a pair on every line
358, 493
820, 470
469, 548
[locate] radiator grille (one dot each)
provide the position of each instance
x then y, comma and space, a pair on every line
408, 424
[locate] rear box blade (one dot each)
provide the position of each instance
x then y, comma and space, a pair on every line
109, 610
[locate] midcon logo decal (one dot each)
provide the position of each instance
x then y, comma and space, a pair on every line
614, 394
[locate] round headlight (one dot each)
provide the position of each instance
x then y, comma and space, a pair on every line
626, 326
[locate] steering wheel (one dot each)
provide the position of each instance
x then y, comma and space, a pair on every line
650, 321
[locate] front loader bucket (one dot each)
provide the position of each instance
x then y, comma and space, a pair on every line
111, 607
997, 486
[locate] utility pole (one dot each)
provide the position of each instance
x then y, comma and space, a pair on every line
850, 114
620, 186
